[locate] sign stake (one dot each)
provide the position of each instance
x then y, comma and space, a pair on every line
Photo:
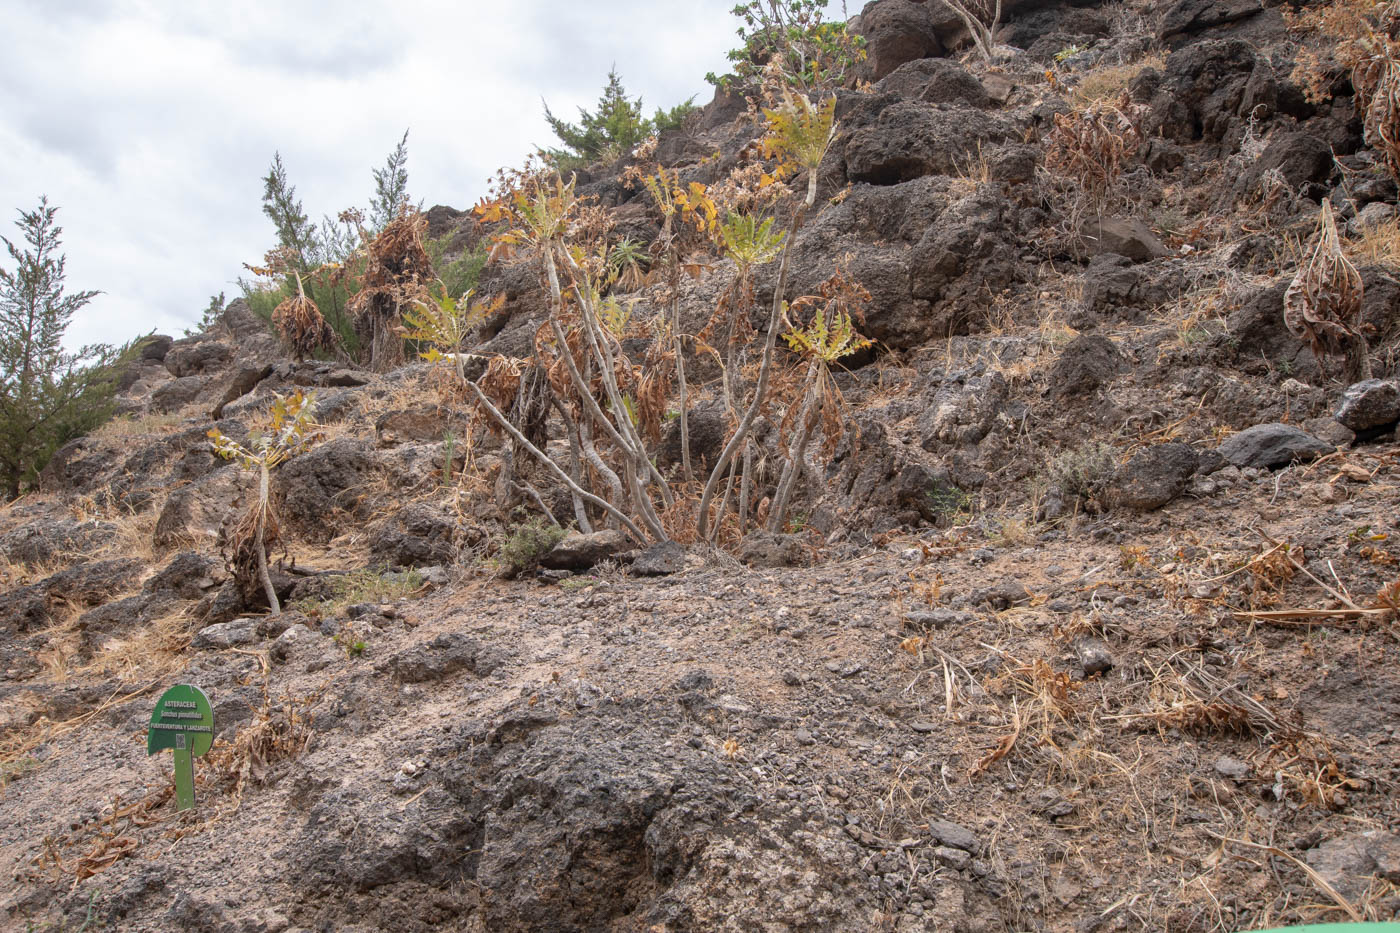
183, 722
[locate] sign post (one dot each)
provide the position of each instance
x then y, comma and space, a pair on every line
183, 721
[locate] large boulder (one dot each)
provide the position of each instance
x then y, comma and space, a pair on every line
1301, 159
1087, 362
194, 513
1185, 18
1154, 477
896, 32
912, 138
579, 551
195, 355
963, 411
936, 81
1202, 92
317, 488
1272, 445
188, 575
419, 535
47, 540
177, 393
1370, 405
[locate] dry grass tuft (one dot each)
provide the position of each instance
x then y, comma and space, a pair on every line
1107, 83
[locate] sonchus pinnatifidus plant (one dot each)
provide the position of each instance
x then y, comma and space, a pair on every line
1323, 303
397, 273
609, 404
292, 432
300, 325
444, 323
688, 221
830, 337
799, 134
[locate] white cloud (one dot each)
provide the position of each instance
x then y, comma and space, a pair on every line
150, 123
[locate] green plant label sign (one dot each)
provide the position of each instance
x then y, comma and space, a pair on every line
184, 722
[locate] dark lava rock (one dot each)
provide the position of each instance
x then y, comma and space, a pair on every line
226, 634
196, 355
415, 424
1369, 405
937, 81
963, 412
1130, 238
1154, 476
1350, 863
1300, 158
911, 139
44, 540
660, 560
243, 381
189, 575
1003, 595
897, 32
1272, 445
1093, 655
1204, 91
419, 535
239, 320
766, 549
155, 347
578, 551
94, 583
442, 657
329, 479
708, 429
177, 393
953, 835
1086, 362
1185, 18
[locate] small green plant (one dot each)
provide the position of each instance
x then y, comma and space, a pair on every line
362, 586
1083, 472
530, 541
354, 647
1067, 53
445, 324
947, 503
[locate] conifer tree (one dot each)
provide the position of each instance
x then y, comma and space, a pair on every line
390, 187
48, 396
610, 131
282, 207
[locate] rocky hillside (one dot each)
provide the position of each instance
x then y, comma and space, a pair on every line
1085, 620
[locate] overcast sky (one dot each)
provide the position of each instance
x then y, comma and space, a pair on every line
150, 123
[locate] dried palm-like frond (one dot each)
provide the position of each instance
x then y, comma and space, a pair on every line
300, 325
396, 275
1092, 145
1376, 77
1323, 302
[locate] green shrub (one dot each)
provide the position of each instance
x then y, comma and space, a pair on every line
362, 586
459, 275
528, 543
812, 52
611, 131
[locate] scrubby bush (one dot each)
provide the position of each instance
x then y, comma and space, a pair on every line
527, 543
611, 131
1083, 472
794, 39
